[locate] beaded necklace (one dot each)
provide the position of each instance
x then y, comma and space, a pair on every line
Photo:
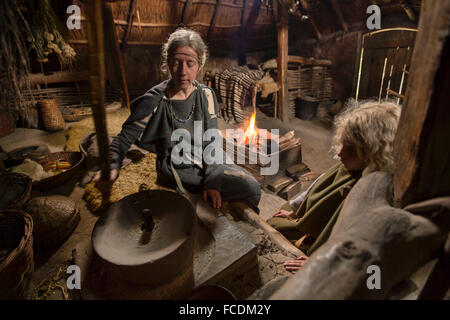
190, 113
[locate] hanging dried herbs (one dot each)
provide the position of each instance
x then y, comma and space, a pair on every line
26, 26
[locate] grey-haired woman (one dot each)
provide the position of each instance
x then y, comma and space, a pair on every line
182, 103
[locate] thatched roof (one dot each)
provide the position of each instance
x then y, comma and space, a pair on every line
247, 25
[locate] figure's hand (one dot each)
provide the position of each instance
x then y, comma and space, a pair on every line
294, 265
215, 196
104, 185
284, 214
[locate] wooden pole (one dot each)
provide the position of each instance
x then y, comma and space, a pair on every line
112, 45
282, 61
97, 80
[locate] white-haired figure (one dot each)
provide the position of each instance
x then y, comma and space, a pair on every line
181, 103
363, 141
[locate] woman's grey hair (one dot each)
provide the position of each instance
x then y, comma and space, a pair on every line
179, 38
370, 127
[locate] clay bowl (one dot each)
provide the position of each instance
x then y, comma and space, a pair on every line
127, 252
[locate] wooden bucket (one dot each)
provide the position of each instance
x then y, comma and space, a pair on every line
16, 253
52, 118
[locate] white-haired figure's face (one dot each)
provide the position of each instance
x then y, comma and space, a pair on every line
183, 67
349, 157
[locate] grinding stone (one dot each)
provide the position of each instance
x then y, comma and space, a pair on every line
151, 258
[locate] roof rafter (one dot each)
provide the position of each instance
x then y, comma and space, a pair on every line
213, 19
340, 15
306, 8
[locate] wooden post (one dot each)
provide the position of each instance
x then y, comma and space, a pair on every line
97, 79
113, 48
421, 150
282, 62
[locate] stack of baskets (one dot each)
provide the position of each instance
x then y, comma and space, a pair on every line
16, 253
51, 116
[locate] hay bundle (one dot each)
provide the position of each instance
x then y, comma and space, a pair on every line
80, 129
142, 172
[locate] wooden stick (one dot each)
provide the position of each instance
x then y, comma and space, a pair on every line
97, 79
282, 62
247, 214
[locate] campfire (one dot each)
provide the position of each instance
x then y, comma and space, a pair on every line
255, 146
251, 133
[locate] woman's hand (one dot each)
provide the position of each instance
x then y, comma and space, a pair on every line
215, 196
284, 214
104, 185
294, 265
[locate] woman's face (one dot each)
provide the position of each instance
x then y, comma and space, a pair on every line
349, 157
183, 67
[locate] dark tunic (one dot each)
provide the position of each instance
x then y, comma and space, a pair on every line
150, 127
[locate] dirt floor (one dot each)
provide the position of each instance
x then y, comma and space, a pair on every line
48, 280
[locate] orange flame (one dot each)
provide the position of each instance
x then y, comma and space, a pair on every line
251, 133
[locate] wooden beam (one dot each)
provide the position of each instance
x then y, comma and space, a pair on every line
187, 10
254, 14
113, 48
421, 150
57, 77
213, 19
282, 62
97, 78
129, 26
306, 9
340, 15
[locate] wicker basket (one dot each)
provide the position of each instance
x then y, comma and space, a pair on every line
7, 125
16, 260
54, 218
15, 189
52, 118
74, 158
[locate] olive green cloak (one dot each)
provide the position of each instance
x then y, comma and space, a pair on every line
318, 213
